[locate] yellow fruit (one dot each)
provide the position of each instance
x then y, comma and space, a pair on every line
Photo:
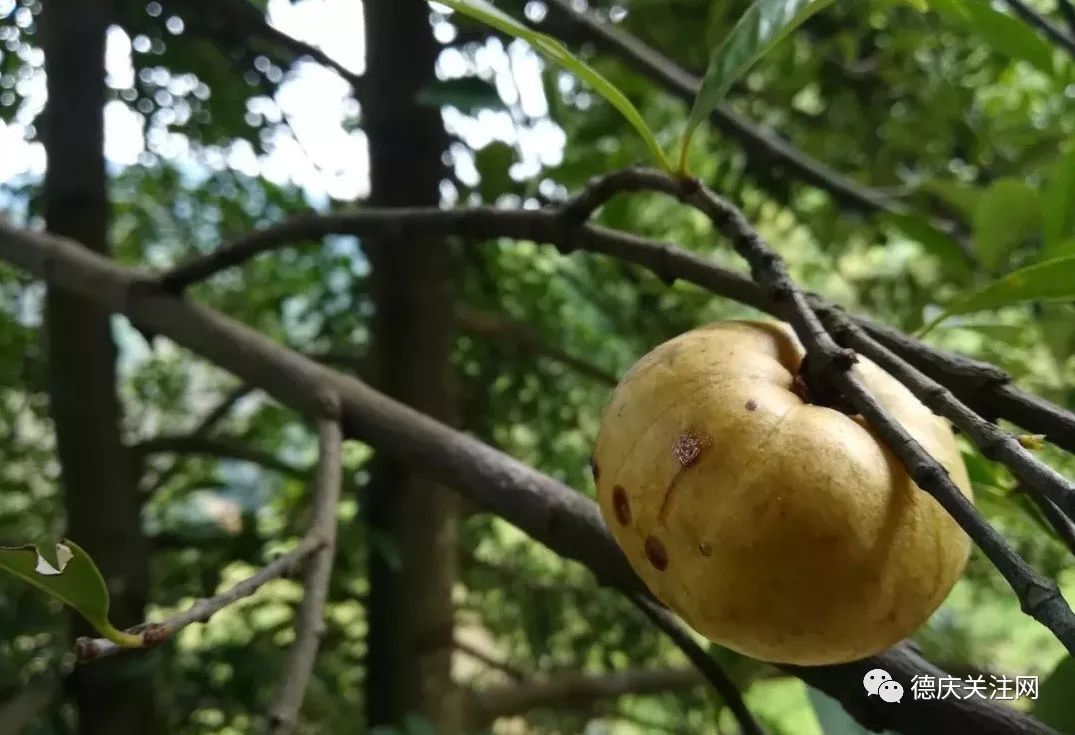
780, 529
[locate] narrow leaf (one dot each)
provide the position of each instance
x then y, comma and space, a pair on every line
1053, 280
762, 26
1053, 706
1058, 202
76, 582
555, 51
939, 243
1006, 34
1007, 215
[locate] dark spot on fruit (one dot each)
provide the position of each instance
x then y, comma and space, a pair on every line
752, 405
621, 506
705, 549
689, 447
686, 449
656, 554
595, 469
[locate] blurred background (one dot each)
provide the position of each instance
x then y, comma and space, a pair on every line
935, 139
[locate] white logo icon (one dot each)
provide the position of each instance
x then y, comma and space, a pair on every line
890, 691
879, 682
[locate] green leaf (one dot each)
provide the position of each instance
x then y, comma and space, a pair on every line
765, 24
555, 51
1058, 204
1053, 705
1007, 215
1006, 34
1053, 280
833, 718
1062, 249
468, 94
937, 242
994, 330
494, 162
75, 581
981, 471
1057, 324
963, 197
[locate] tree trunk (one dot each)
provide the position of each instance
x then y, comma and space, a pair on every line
103, 514
413, 521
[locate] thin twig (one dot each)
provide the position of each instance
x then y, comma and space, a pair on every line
1042, 25
771, 152
220, 447
727, 689
994, 443
1064, 526
1067, 10
985, 388
153, 634
1039, 596
310, 618
203, 427
241, 21
512, 672
540, 506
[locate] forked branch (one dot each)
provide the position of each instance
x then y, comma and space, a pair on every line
551, 513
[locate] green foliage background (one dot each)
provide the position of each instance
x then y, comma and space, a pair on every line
919, 106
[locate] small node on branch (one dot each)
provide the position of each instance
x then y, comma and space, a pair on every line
155, 634
690, 184
86, 649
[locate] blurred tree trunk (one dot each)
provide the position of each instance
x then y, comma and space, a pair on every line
413, 521
113, 697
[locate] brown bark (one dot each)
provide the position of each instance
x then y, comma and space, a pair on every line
98, 485
574, 690
410, 606
551, 513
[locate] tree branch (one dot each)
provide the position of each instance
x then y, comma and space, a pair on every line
527, 338
241, 21
20, 710
994, 443
477, 654
1040, 23
665, 621
220, 447
763, 146
203, 427
574, 689
831, 364
565, 521
310, 618
985, 388
153, 634
1067, 10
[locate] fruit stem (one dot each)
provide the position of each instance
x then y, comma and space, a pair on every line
812, 385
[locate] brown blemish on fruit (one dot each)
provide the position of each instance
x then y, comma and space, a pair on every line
752, 405
620, 505
656, 553
705, 549
687, 449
